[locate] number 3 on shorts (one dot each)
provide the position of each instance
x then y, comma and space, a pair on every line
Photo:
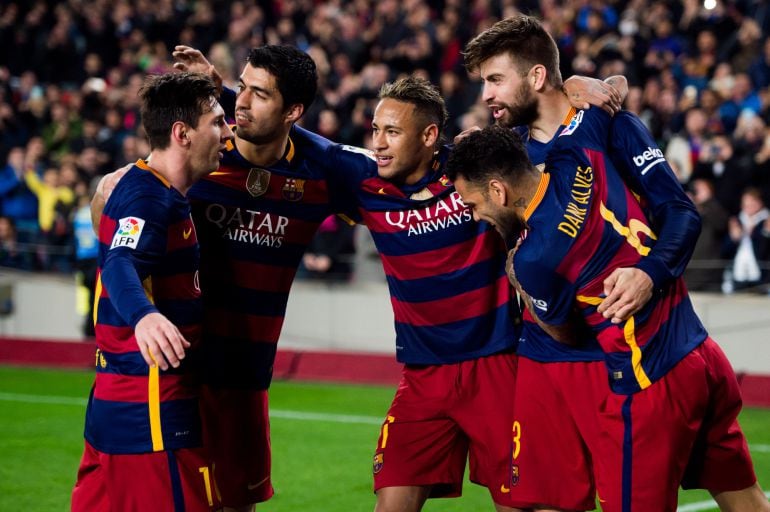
516, 439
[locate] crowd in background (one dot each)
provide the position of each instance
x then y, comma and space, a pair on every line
699, 78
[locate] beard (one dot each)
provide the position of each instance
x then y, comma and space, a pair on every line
523, 111
259, 133
510, 225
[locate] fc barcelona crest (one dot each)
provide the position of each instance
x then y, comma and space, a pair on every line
379, 460
514, 474
293, 189
257, 181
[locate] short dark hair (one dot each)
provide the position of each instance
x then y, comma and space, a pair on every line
494, 152
524, 39
426, 98
294, 71
174, 97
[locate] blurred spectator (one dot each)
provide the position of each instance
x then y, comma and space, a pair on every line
86, 252
704, 273
743, 46
709, 102
759, 70
684, 149
11, 255
748, 244
68, 90
54, 204
717, 162
749, 135
743, 97
330, 254
17, 202
762, 163
665, 46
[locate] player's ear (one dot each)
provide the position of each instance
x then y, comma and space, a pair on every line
497, 192
180, 133
295, 112
430, 135
538, 77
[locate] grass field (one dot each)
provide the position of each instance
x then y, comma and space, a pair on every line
323, 438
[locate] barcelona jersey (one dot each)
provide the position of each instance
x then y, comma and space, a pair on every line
446, 273
584, 222
254, 224
640, 162
148, 262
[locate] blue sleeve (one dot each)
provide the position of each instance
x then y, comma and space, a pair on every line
348, 167
8, 180
127, 266
552, 295
674, 217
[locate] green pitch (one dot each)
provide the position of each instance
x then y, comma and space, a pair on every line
323, 440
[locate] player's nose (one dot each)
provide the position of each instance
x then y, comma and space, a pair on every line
486, 95
227, 133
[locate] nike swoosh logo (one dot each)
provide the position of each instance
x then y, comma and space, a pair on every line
504, 489
186, 233
251, 487
381, 191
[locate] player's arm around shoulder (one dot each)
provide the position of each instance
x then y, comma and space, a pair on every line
609, 94
677, 221
103, 191
348, 166
528, 276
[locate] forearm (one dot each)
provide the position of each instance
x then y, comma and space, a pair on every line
679, 226
620, 84
564, 333
125, 289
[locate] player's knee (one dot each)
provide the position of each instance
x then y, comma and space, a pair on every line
246, 508
751, 499
401, 499
502, 508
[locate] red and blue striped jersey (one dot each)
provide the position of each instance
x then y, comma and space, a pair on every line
584, 222
637, 158
446, 273
254, 224
148, 262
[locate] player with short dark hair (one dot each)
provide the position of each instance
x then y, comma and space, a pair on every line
666, 375
255, 217
143, 433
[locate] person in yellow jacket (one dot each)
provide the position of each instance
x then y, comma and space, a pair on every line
51, 196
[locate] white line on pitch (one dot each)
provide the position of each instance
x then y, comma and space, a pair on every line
703, 505
274, 413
